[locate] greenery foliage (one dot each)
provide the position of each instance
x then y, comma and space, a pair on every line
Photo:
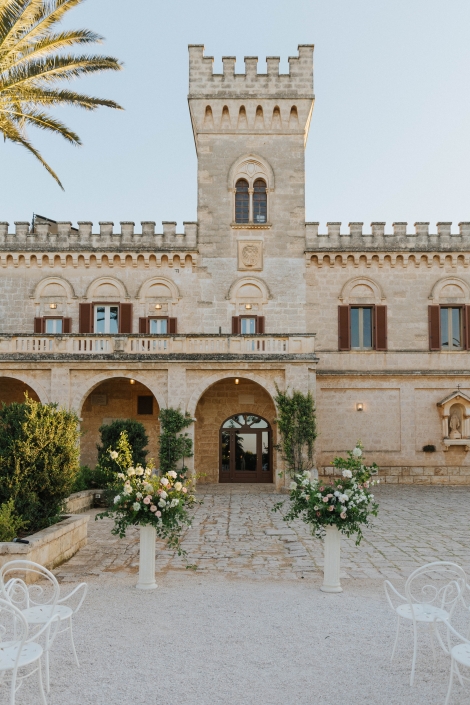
38, 459
174, 445
90, 478
34, 59
346, 503
144, 498
104, 474
297, 428
10, 522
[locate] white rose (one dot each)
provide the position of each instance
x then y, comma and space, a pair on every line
316, 509
347, 473
139, 495
148, 472
337, 494
172, 474
174, 502
136, 506
127, 490
163, 494
121, 476
113, 454
116, 499
164, 482
293, 486
319, 495
178, 486
357, 452
162, 503
308, 474
131, 472
139, 470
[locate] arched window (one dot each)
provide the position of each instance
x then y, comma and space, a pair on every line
260, 202
242, 202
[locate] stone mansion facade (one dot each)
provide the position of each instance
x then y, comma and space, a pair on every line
119, 322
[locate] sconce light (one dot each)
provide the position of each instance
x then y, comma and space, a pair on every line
248, 307
359, 406
132, 381
52, 305
237, 381
158, 306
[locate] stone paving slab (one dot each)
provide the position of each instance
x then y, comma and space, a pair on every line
235, 533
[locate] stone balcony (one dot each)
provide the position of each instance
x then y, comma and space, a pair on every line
144, 347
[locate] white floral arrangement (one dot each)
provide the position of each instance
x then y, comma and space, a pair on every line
145, 498
346, 503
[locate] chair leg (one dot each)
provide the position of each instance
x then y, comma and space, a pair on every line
46, 663
458, 675
415, 649
13, 687
431, 634
41, 688
396, 638
72, 642
450, 681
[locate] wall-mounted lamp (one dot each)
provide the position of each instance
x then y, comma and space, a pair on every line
132, 381
248, 307
52, 305
359, 406
158, 306
237, 381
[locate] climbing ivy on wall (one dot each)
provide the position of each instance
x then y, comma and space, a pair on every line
174, 445
296, 422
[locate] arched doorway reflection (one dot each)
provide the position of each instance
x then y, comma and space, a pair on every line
245, 449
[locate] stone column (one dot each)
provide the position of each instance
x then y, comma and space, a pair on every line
60, 386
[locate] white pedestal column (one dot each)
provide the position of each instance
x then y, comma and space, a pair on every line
147, 559
331, 581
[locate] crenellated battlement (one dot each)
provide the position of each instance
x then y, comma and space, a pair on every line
298, 83
50, 235
378, 239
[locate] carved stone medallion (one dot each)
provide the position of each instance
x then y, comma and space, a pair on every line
250, 255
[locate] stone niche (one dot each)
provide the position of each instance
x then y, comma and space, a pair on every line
455, 415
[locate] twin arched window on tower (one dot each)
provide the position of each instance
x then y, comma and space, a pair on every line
251, 204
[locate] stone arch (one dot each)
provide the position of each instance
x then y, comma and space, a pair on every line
58, 283
35, 386
107, 284
208, 382
450, 289
362, 289
81, 396
251, 284
251, 167
163, 282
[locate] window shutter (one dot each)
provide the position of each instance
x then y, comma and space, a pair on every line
434, 327
85, 318
39, 325
466, 327
380, 337
235, 325
67, 325
144, 326
260, 324
172, 326
344, 342
125, 318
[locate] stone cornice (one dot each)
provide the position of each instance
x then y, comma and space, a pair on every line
336, 258
111, 258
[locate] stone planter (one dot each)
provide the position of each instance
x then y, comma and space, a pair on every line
148, 537
52, 546
331, 582
79, 502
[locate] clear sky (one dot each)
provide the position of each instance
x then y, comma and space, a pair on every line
389, 139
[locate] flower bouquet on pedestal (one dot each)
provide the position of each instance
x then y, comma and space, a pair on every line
158, 505
343, 506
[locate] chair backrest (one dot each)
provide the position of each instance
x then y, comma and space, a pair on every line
13, 627
27, 584
440, 584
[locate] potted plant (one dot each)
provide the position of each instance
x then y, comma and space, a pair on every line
343, 506
157, 504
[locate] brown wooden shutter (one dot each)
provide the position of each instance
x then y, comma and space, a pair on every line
260, 324
235, 325
466, 323
172, 326
344, 337
144, 326
85, 318
380, 328
39, 325
125, 318
67, 325
434, 316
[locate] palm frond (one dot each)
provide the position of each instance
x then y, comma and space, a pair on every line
44, 122
37, 17
47, 45
40, 96
11, 132
57, 68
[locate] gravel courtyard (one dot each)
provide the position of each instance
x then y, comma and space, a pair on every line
249, 625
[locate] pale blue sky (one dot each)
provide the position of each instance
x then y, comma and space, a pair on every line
389, 139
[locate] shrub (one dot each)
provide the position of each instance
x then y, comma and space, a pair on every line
10, 522
174, 446
297, 428
38, 459
88, 479
110, 435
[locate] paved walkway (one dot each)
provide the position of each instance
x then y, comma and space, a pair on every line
235, 533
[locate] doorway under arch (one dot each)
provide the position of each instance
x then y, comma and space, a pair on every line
245, 449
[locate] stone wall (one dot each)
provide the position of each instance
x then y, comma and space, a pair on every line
13, 390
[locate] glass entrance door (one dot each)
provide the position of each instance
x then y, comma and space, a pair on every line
245, 449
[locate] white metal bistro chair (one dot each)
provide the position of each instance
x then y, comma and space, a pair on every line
432, 593
459, 655
39, 601
18, 650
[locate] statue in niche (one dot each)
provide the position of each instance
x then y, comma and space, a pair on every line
454, 425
